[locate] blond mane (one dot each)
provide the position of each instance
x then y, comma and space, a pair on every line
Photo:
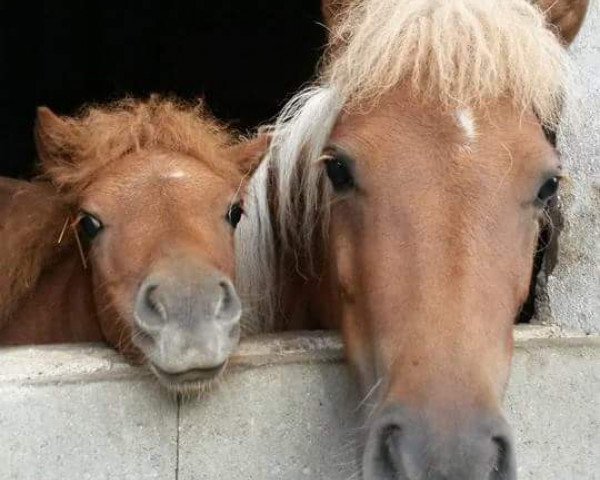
99, 135
462, 53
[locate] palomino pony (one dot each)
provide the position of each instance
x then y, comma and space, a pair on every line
131, 241
401, 203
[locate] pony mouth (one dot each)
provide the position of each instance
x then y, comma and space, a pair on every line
187, 378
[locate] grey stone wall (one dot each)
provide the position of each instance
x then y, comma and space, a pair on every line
574, 286
287, 410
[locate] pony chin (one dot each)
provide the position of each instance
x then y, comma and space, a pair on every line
189, 388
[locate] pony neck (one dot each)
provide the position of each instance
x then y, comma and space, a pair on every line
59, 309
306, 289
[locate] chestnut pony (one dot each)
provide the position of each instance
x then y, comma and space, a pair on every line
401, 203
130, 239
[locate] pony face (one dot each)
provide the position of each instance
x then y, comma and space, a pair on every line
162, 261
157, 224
433, 228
410, 183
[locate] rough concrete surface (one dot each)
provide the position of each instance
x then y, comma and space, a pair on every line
574, 289
108, 429
287, 410
553, 404
293, 422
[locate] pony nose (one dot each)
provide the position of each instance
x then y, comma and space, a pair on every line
187, 319
161, 301
402, 446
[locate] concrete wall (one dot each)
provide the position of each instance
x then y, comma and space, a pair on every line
287, 410
574, 288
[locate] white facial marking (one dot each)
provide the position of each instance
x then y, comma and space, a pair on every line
176, 174
465, 120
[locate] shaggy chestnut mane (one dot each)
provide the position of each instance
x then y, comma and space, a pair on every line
72, 155
30, 225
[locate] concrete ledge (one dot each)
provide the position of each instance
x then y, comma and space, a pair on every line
65, 363
287, 409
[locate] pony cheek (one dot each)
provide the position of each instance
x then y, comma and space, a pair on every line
344, 265
115, 299
357, 346
348, 313
118, 334
115, 317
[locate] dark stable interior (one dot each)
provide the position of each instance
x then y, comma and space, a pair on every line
244, 58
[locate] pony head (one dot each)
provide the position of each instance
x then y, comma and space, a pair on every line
155, 190
410, 184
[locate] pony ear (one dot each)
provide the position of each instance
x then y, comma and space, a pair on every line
566, 15
53, 136
248, 154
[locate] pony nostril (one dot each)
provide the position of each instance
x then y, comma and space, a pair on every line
226, 300
152, 302
150, 310
386, 459
503, 459
391, 455
229, 306
503, 466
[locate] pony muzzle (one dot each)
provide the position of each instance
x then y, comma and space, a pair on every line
405, 444
186, 323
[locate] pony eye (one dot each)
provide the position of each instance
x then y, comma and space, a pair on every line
339, 173
234, 215
90, 225
548, 190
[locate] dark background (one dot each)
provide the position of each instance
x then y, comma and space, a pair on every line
245, 58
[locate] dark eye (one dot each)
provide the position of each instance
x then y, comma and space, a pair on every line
548, 190
338, 171
235, 214
90, 225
